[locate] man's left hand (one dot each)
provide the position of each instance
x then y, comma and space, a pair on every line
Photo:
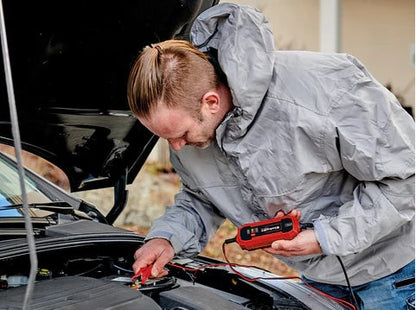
305, 243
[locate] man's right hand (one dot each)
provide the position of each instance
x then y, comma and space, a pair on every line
157, 252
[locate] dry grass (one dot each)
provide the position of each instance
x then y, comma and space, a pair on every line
235, 254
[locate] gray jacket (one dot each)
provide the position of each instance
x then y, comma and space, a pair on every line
310, 131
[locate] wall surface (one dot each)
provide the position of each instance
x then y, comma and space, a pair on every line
378, 32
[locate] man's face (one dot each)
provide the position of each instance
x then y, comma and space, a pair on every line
180, 127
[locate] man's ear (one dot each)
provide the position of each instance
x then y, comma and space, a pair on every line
211, 102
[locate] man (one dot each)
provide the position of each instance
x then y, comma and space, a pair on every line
267, 133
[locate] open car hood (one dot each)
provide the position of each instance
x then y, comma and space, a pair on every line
70, 62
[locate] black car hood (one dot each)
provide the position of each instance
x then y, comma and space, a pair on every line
70, 62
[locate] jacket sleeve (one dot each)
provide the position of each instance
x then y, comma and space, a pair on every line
376, 146
188, 224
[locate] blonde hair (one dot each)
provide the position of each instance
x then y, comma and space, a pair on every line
173, 72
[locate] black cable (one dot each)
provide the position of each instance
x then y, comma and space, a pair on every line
354, 299
231, 240
232, 265
83, 273
304, 226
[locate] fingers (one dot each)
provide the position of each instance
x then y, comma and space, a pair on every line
158, 273
269, 250
305, 243
157, 252
286, 248
279, 214
295, 213
165, 257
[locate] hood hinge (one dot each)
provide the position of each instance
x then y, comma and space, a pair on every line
120, 197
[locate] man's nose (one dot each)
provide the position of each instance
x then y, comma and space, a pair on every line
177, 144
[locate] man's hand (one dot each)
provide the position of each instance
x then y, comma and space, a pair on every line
304, 243
157, 252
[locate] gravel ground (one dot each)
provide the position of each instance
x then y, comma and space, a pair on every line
148, 197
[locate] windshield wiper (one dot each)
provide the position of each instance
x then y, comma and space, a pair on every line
61, 207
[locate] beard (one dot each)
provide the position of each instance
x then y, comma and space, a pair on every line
207, 133
201, 145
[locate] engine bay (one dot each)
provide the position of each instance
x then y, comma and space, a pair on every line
97, 275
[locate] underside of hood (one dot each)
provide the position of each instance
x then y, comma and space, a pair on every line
70, 62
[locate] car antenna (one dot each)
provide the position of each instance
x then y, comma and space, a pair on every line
17, 145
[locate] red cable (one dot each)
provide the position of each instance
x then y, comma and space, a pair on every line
341, 301
232, 265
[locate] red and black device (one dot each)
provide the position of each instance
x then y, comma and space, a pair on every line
262, 234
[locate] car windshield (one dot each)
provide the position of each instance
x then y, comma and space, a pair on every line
11, 193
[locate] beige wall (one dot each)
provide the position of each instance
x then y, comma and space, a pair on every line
381, 33
378, 32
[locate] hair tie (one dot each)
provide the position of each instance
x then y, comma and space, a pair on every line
158, 48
